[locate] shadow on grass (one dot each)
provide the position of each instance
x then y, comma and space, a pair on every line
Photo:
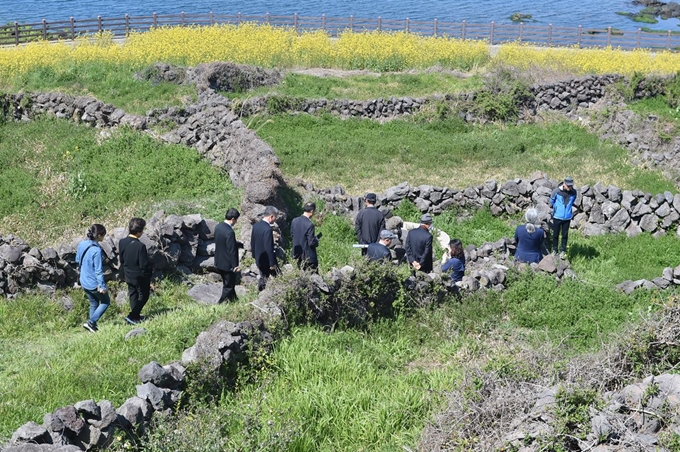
585, 251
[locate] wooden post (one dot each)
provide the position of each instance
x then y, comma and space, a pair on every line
609, 36
127, 24
267, 16
521, 26
182, 16
379, 23
99, 23
323, 22
16, 32
407, 25
155, 20
351, 22
44, 29
462, 31
491, 33
639, 36
578, 38
238, 19
73, 28
549, 35
668, 40
435, 28
295, 18
212, 19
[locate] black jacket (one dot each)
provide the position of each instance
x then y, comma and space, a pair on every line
368, 224
226, 247
419, 248
262, 245
134, 260
304, 239
378, 251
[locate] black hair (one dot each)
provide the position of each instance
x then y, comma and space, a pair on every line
232, 214
456, 248
309, 207
136, 225
95, 231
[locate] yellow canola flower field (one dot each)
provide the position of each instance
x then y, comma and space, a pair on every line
260, 45
270, 46
589, 61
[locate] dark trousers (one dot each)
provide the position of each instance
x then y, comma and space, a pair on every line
139, 295
557, 227
304, 264
265, 273
228, 286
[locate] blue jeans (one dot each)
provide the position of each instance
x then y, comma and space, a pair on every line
99, 303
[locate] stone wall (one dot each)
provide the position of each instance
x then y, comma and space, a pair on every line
599, 209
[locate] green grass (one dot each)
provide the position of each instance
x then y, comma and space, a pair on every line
368, 156
108, 82
47, 360
56, 178
656, 106
362, 87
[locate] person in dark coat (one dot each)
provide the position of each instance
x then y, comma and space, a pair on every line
134, 260
262, 246
305, 239
369, 222
379, 251
226, 254
530, 239
419, 245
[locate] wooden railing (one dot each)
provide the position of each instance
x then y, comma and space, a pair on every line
493, 33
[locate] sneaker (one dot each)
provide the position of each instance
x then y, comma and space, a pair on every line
130, 321
141, 319
563, 255
89, 326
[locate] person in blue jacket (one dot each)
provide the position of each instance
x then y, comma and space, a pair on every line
529, 239
456, 261
562, 200
89, 259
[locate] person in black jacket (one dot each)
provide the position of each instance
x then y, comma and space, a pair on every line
134, 260
262, 246
379, 251
226, 254
305, 240
419, 245
369, 222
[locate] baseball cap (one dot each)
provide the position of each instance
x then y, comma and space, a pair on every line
569, 181
385, 234
371, 197
426, 218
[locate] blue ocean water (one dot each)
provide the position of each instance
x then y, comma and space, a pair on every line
568, 13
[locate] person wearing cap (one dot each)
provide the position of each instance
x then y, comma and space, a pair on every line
562, 200
419, 245
262, 246
305, 239
369, 222
379, 251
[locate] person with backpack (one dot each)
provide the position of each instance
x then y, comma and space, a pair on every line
89, 259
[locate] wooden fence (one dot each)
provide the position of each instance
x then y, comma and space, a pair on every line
541, 35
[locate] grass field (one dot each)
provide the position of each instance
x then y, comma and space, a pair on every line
368, 156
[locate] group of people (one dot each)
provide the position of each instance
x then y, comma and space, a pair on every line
373, 237
134, 263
